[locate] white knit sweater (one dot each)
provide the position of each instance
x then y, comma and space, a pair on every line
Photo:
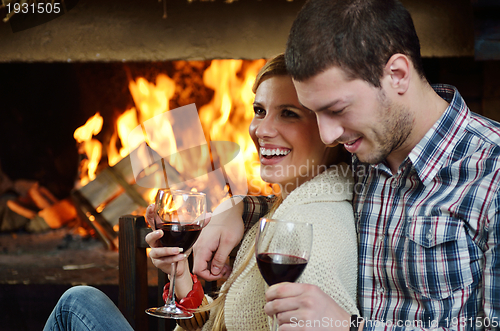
323, 201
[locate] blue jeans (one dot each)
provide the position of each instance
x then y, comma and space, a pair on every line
83, 308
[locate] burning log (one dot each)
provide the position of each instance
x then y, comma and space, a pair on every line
41, 196
58, 214
112, 194
43, 210
18, 208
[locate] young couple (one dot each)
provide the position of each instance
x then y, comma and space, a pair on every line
293, 156
426, 169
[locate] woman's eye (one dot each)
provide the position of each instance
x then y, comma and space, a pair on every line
259, 111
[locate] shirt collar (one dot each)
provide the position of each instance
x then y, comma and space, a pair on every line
433, 151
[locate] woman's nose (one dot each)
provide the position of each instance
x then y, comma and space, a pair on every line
266, 128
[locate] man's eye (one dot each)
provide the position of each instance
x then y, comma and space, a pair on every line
338, 111
289, 113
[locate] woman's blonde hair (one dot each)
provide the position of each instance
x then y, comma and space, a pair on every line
274, 67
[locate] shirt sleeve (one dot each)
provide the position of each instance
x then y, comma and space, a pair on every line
492, 270
255, 207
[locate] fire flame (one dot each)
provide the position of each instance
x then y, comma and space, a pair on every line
124, 124
91, 147
230, 112
225, 118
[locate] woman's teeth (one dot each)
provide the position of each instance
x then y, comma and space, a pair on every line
272, 152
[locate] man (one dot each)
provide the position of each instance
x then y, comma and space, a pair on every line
427, 173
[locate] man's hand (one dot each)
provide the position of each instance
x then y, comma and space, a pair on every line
298, 306
223, 232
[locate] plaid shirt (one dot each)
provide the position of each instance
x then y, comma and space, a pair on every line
429, 235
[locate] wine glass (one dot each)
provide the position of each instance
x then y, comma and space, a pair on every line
180, 214
282, 250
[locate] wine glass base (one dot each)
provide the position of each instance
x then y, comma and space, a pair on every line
167, 312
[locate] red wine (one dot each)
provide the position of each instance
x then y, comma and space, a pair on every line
277, 268
179, 235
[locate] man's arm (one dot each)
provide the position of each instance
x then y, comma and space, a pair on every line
229, 221
491, 275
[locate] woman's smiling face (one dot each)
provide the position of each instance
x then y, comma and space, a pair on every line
286, 135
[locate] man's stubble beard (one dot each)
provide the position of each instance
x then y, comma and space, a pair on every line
392, 130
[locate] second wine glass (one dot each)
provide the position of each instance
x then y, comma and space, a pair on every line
282, 250
180, 214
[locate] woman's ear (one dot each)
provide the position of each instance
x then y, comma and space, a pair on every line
397, 73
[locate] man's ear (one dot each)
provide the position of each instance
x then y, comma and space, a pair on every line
398, 72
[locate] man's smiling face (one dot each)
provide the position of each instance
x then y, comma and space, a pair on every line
356, 114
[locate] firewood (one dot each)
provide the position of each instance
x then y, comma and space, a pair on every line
37, 225
21, 210
40, 199
58, 214
22, 186
43, 190
10, 220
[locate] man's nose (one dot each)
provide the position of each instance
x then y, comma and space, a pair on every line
329, 130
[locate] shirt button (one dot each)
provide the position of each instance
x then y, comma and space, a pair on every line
429, 235
394, 184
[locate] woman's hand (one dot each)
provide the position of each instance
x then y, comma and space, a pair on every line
298, 305
163, 257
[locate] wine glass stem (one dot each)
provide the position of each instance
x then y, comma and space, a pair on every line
171, 291
275, 323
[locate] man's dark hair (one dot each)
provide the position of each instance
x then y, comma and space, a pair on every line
359, 36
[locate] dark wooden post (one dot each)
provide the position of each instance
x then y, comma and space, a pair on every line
133, 280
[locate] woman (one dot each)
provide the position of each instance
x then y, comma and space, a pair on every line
314, 188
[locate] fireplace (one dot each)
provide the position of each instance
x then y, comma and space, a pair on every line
82, 64
88, 81
86, 62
